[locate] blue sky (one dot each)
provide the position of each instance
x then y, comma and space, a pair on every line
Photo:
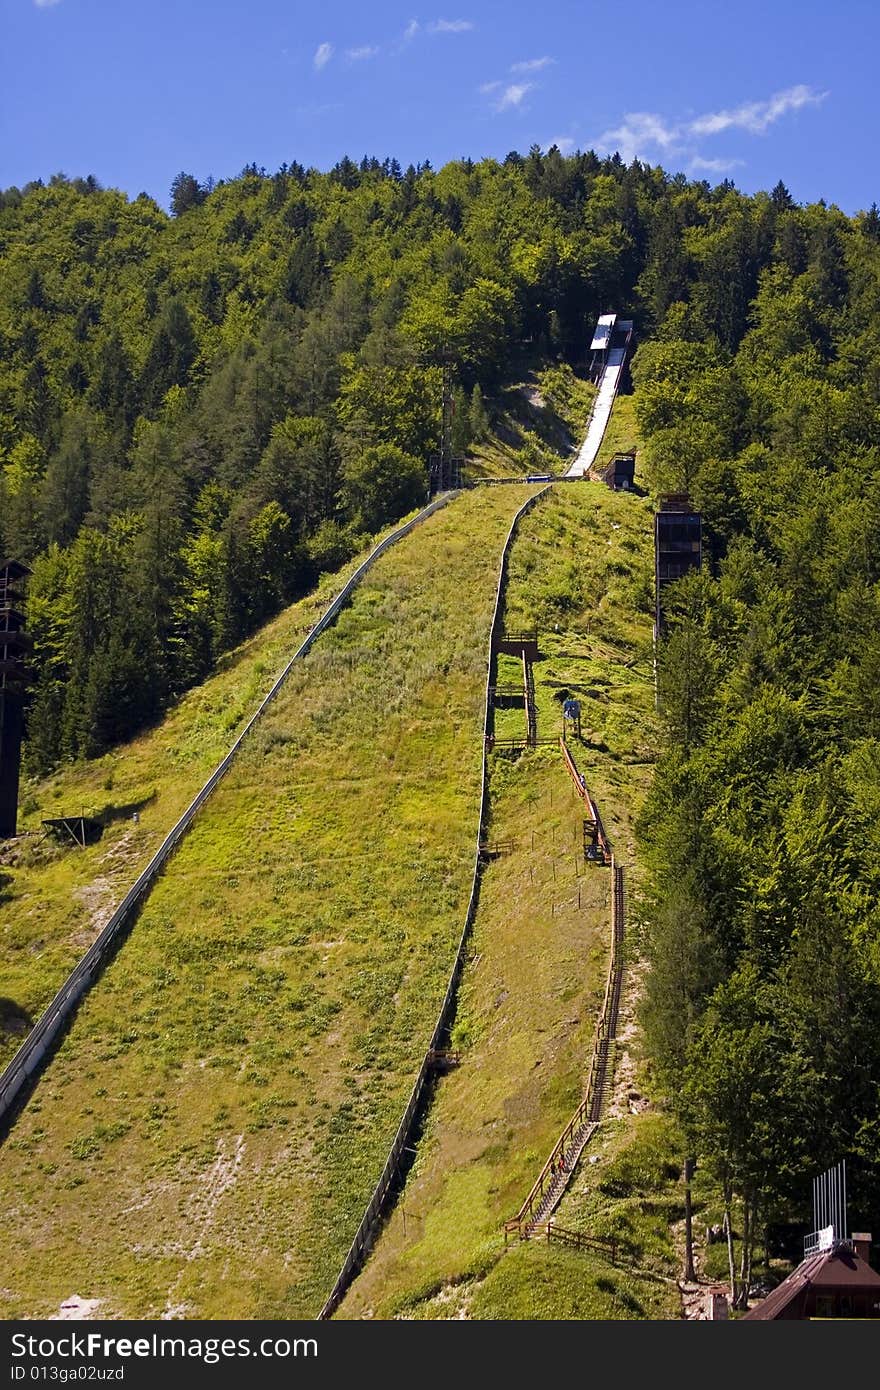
133, 92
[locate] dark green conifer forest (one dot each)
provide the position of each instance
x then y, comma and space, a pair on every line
762, 830
199, 412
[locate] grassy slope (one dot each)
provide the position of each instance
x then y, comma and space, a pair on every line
529, 999
621, 434
209, 1132
55, 897
538, 422
535, 424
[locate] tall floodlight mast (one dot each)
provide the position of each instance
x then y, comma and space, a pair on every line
13, 676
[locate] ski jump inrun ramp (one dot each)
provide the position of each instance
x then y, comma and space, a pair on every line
610, 346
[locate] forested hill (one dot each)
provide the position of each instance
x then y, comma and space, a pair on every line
199, 412
761, 829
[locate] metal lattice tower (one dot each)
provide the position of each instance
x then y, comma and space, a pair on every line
445, 467
13, 644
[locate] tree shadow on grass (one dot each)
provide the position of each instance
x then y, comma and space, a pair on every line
15, 1022
85, 829
112, 812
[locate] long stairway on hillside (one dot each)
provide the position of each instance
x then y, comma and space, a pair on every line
567, 1165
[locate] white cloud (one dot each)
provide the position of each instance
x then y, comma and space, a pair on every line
512, 96
46, 4
640, 131
450, 26
508, 97
411, 30
647, 135
323, 54
532, 65
564, 144
357, 55
714, 166
756, 116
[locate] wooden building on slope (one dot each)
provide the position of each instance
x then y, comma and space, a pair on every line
837, 1282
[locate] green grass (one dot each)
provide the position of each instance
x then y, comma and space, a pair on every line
207, 1136
525, 1023
621, 434
54, 896
631, 1190
538, 423
209, 1133
531, 992
536, 1281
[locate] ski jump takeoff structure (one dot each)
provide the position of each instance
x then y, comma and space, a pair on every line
609, 348
46, 1032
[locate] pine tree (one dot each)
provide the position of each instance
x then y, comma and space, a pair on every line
172, 353
186, 193
871, 223
305, 270
65, 491
34, 296
781, 198
113, 390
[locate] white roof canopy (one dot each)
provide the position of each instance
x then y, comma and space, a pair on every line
603, 331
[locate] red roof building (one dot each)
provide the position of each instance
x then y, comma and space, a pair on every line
833, 1283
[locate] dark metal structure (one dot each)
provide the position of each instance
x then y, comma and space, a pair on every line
517, 644
13, 678
81, 829
620, 474
678, 546
525, 646
444, 470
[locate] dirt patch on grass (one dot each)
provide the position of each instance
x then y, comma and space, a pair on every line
99, 898
625, 1097
202, 1211
77, 1308
102, 896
